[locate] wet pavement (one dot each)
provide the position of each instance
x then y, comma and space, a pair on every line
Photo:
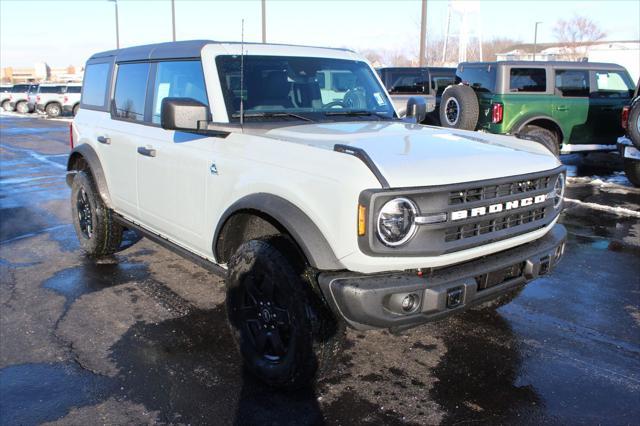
142, 338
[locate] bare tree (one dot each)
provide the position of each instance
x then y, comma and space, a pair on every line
576, 34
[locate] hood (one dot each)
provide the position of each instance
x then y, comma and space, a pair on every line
414, 155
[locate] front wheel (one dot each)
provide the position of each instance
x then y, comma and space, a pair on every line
632, 170
99, 235
285, 334
5, 105
75, 109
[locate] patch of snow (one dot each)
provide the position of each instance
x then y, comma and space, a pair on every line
620, 211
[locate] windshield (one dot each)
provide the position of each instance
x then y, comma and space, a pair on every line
298, 88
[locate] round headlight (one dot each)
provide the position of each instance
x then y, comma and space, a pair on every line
396, 221
558, 191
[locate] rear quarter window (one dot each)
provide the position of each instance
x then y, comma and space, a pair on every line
527, 80
96, 81
480, 78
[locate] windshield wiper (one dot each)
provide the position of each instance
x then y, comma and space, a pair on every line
271, 115
349, 113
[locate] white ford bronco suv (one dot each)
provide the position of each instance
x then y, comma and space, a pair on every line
321, 208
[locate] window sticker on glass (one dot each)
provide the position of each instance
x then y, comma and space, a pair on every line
379, 98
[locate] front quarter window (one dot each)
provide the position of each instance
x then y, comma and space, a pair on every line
319, 89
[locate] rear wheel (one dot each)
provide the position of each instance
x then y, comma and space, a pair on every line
75, 109
632, 170
459, 108
5, 105
99, 235
285, 333
543, 136
22, 107
53, 110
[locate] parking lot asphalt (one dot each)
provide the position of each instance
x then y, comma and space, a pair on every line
142, 338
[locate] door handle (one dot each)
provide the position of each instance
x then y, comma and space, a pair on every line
105, 140
147, 152
561, 108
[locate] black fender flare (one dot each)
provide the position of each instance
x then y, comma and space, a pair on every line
523, 121
302, 229
90, 156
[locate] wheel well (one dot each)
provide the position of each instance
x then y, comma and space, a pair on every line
77, 162
246, 225
546, 124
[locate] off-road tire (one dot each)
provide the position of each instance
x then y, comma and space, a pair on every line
5, 105
22, 107
499, 301
53, 110
541, 135
459, 108
105, 234
632, 170
633, 128
75, 109
311, 334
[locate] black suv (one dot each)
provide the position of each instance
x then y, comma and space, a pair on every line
403, 83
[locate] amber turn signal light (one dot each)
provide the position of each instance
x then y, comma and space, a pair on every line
362, 220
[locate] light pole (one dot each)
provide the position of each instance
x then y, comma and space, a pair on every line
423, 33
535, 39
117, 27
173, 18
264, 21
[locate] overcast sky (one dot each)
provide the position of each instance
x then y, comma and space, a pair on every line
67, 32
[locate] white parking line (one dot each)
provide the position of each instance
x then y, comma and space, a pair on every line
620, 211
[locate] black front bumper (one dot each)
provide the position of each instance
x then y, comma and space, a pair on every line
374, 300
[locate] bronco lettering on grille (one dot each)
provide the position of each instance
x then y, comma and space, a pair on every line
496, 208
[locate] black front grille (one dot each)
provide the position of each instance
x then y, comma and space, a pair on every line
496, 191
470, 230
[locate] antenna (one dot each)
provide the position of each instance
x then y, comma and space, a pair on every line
242, 75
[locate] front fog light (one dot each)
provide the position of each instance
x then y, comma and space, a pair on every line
410, 302
396, 222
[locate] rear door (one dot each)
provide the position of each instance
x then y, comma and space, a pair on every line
172, 178
571, 105
529, 94
611, 90
124, 132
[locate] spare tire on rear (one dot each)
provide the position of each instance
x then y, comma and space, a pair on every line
633, 127
459, 108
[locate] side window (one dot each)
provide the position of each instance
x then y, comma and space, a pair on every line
96, 78
406, 81
131, 90
572, 83
613, 84
527, 80
182, 79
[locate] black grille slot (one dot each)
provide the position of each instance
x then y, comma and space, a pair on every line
495, 191
469, 230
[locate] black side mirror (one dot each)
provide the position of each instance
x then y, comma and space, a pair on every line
184, 114
417, 109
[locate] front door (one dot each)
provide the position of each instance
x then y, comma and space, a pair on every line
612, 91
173, 168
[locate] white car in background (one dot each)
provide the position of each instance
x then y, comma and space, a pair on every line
71, 99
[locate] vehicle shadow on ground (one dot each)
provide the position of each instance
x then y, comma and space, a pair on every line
478, 377
189, 371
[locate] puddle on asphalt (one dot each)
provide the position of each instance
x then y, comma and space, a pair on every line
34, 393
91, 276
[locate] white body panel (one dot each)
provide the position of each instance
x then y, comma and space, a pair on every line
176, 195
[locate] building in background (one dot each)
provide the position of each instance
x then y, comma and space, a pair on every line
41, 72
625, 53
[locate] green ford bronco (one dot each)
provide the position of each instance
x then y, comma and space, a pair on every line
566, 106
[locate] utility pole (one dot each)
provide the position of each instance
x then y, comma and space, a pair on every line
264, 21
173, 18
423, 34
535, 39
117, 26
